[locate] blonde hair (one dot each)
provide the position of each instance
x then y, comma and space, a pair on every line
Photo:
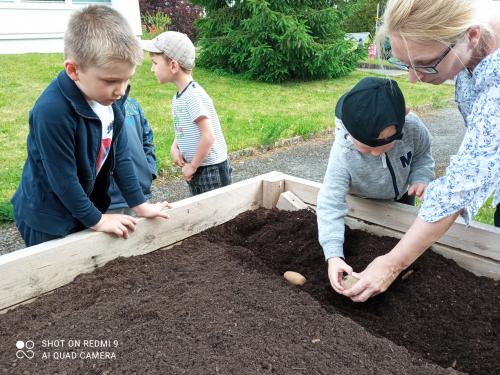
425, 21
98, 35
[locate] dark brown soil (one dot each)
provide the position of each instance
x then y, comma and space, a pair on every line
218, 304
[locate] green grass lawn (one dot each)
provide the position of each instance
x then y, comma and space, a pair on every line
251, 113
378, 62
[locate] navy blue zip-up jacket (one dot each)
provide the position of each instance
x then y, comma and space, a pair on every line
60, 191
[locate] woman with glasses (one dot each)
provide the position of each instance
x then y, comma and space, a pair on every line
437, 40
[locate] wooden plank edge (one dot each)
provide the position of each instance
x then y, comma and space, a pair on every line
272, 187
306, 190
290, 202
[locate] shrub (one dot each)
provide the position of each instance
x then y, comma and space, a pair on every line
182, 14
276, 40
155, 23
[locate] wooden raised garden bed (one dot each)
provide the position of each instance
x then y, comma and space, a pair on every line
217, 303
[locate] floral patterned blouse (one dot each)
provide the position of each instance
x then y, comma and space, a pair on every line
474, 172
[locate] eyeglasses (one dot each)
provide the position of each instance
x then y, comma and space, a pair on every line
431, 69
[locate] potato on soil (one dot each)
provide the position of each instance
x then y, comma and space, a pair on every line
294, 278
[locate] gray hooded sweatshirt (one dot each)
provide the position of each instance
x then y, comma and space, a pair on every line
387, 176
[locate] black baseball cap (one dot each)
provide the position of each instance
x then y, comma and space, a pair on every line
372, 105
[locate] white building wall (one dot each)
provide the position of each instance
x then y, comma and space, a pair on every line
38, 26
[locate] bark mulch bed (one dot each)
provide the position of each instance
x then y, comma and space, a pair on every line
218, 303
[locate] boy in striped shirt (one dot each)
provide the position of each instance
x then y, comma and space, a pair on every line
199, 147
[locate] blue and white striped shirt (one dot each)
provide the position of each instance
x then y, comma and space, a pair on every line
187, 106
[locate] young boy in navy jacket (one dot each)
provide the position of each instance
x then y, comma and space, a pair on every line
75, 139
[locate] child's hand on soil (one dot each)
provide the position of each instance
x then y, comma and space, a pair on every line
336, 269
417, 190
188, 171
117, 224
375, 279
152, 210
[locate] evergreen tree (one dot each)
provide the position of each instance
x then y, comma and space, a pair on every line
365, 17
276, 40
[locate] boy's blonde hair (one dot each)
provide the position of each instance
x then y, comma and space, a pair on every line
97, 35
425, 21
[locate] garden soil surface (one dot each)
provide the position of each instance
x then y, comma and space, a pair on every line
218, 304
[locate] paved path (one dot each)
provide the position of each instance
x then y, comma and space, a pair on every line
307, 160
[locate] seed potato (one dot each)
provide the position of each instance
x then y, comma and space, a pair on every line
294, 278
348, 281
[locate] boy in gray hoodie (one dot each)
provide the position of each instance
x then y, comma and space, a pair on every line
380, 152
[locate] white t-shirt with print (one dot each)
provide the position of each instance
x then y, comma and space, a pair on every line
107, 117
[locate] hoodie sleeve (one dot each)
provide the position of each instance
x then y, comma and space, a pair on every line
422, 164
332, 205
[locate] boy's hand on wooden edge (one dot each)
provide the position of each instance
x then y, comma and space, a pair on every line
336, 269
153, 210
375, 279
116, 224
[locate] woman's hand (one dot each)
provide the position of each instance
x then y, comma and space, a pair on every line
375, 279
383, 270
